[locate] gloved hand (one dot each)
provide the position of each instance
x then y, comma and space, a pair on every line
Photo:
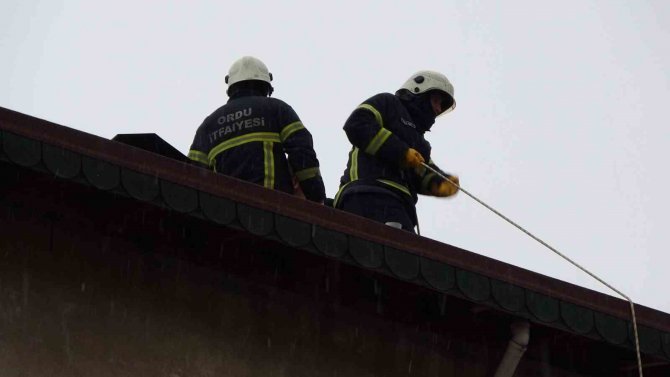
445, 188
413, 158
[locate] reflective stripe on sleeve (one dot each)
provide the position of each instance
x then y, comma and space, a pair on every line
381, 135
353, 170
306, 174
271, 137
290, 129
269, 160
198, 156
374, 111
377, 141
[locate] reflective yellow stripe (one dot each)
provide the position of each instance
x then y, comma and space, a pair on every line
198, 156
384, 181
353, 175
374, 111
269, 160
237, 141
290, 129
381, 135
353, 170
377, 141
339, 192
306, 174
395, 185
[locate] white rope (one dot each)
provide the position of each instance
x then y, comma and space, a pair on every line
632, 306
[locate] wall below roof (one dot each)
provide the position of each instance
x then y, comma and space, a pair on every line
95, 283
75, 301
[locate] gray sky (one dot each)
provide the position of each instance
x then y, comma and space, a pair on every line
560, 121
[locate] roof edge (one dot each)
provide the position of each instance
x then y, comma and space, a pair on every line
329, 218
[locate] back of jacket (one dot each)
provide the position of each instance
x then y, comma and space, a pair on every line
250, 138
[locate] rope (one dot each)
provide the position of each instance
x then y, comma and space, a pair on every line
632, 306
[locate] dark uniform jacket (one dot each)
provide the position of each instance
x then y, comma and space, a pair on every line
381, 130
250, 137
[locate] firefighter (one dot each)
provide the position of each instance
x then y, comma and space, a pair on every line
251, 136
384, 173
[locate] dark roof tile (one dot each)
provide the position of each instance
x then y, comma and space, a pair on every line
650, 339
403, 264
473, 285
293, 232
543, 307
612, 329
255, 220
102, 175
508, 296
140, 186
180, 198
330, 243
439, 275
22, 150
366, 253
665, 343
577, 318
61, 162
220, 210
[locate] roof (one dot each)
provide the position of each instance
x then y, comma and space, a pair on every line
39, 145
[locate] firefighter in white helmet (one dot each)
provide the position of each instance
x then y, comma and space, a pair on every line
384, 173
258, 138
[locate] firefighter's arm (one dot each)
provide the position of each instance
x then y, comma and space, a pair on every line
197, 154
299, 147
365, 130
198, 158
434, 185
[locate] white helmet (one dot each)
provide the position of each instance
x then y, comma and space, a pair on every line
248, 68
424, 81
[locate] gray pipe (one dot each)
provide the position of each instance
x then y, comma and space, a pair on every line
515, 349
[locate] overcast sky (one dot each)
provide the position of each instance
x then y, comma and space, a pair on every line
561, 118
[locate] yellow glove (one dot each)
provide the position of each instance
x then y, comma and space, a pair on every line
413, 158
445, 188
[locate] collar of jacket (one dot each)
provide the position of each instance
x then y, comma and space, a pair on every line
246, 93
420, 109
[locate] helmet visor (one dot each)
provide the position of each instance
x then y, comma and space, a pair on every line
447, 104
